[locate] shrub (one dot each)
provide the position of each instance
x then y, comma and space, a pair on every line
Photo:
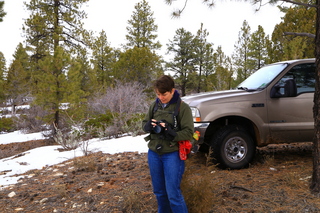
133, 124
85, 164
99, 122
7, 125
132, 199
198, 189
32, 120
69, 140
124, 105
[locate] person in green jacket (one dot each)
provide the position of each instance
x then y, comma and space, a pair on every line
166, 130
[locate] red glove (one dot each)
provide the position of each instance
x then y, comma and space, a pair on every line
184, 149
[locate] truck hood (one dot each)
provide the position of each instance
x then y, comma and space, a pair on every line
217, 97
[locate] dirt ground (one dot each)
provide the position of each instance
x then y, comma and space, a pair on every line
277, 181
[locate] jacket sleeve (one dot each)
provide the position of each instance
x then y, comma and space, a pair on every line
148, 116
186, 123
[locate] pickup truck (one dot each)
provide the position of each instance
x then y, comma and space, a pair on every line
274, 105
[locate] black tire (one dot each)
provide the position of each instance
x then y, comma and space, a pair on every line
232, 147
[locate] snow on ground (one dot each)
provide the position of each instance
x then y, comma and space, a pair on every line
49, 155
18, 136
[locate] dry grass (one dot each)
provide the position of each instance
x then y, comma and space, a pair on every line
85, 163
131, 197
277, 181
198, 187
60, 190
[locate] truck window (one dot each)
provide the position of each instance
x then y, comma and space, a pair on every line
262, 77
304, 76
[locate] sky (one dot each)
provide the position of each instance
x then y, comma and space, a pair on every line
42, 157
223, 21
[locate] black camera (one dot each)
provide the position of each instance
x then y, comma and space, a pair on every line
158, 128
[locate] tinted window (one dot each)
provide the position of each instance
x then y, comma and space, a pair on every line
304, 76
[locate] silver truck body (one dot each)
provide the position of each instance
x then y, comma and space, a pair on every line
274, 105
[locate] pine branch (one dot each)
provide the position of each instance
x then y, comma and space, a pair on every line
310, 35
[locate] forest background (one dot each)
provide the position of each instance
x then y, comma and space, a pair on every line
74, 80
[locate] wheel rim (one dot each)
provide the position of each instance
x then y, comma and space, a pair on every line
235, 149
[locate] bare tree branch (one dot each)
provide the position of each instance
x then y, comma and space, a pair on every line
300, 3
310, 35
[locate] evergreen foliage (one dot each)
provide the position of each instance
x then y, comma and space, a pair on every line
297, 19
78, 86
54, 27
222, 78
258, 48
57, 67
103, 60
204, 57
182, 65
18, 79
142, 28
138, 64
2, 75
2, 13
241, 57
7, 125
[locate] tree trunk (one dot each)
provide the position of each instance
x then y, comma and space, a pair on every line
315, 185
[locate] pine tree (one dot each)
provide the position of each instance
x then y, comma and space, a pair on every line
223, 75
18, 78
54, 30
204, 56
258, 48
103, 60
2, 75
241, 58
79, 85
2, 13
183, 49
142, 29
138, 64
298, 19
207, 69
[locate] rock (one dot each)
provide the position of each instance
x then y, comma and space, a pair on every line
43, 200
11, 194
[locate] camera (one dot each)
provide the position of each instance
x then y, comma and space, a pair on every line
158, 128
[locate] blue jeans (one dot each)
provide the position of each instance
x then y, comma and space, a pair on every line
166, 173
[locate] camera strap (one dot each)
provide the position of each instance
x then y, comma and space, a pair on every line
174, 114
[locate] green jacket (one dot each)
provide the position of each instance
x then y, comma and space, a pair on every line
185, 126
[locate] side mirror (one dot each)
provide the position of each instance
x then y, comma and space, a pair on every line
275, 92
289, 89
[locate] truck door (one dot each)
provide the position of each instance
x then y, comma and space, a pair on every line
291, 115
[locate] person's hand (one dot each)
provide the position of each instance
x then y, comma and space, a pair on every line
148, 127
169, 133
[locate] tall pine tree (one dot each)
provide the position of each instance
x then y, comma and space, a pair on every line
2, 75
182, 65
103, 60
241, 57
204, 57
223, 75
17, 87
142, 28
2, 13
54, 30
138, 64
297, 19
258, 48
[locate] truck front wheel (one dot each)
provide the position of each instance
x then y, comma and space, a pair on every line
232, 147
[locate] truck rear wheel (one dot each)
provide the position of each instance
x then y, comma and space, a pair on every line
232, 147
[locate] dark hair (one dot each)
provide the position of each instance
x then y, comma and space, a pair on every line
164, 84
